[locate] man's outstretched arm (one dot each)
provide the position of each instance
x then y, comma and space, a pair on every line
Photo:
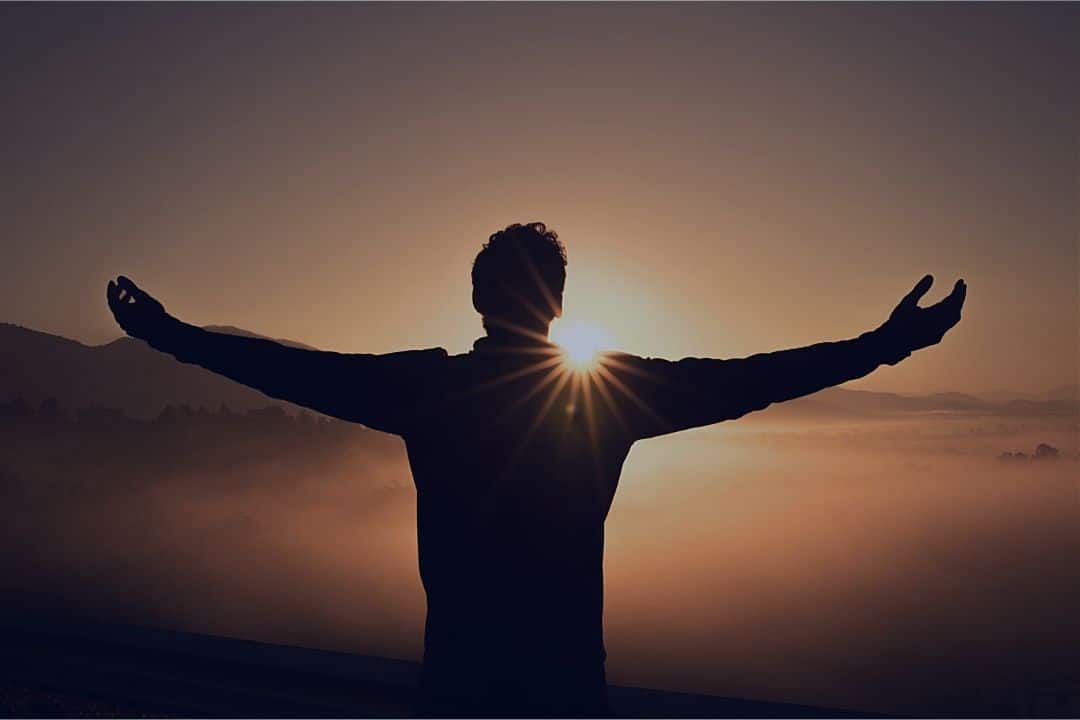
665, 396
372, 389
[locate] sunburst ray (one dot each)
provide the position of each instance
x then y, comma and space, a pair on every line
634, 397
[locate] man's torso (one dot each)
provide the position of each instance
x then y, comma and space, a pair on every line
516, 458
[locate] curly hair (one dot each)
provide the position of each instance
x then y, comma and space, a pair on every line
520, 274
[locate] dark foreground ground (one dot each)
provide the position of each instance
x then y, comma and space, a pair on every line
54, 668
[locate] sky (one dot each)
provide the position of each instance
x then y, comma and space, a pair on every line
728, 179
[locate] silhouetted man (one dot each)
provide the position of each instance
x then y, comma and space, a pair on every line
516, 456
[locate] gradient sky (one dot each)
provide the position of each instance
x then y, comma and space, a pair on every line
727, 178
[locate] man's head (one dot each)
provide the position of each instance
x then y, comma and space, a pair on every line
518, 278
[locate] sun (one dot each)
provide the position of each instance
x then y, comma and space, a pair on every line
581, 342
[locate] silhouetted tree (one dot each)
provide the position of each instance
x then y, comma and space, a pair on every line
50, 410
1046, 452
17, 407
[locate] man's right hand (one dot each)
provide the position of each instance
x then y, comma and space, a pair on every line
136, 311
911, 327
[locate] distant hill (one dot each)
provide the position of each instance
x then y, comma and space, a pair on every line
125, 374
863, 402
842, 402
129, 375
1065, 393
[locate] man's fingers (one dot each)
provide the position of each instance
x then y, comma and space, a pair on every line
911, 300
956, 299
958, 294
121, 292
116, 295
137, 294
131, 288
946, 313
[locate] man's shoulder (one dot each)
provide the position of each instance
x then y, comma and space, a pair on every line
615, 360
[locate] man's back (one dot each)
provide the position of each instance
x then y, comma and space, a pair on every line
516, 463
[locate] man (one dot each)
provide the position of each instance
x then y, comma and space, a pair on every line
516, 456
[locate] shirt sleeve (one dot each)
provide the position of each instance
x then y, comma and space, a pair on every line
384, 392
652, 396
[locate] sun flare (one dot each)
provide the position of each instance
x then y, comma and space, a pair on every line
581, 342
